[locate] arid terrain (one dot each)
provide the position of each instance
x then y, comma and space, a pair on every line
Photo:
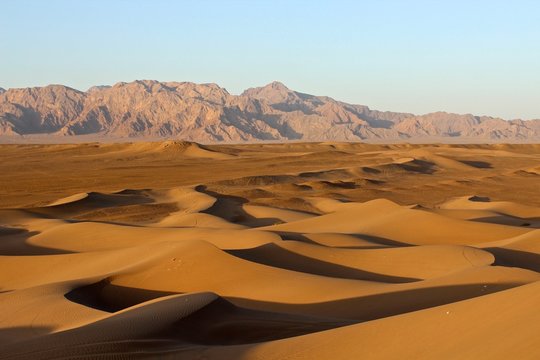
207, 113
269, 251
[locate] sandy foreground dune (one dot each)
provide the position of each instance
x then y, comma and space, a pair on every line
269, 251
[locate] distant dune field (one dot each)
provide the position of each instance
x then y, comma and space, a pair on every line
269, 251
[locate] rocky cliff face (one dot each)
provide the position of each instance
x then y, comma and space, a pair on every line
208, 113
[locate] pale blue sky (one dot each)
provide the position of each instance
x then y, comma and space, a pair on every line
481, 57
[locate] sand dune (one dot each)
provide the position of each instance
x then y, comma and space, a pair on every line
387, 220
415, 262
500, 207
474, 327
167, 149
269, 251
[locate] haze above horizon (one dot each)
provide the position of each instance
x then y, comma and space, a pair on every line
416, 56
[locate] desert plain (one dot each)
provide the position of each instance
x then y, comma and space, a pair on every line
269, 251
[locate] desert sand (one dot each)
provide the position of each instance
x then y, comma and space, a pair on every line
269, 251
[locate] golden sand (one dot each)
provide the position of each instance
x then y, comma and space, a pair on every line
269, 251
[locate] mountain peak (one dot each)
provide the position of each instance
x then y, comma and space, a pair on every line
277, 85
274, 93
98, 88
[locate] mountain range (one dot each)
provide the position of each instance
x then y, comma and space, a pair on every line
207, 113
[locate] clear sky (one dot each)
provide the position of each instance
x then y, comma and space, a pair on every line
480, 57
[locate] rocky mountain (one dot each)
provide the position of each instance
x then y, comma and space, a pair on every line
208, 113
98, 88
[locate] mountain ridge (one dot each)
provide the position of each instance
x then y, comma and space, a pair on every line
209, 113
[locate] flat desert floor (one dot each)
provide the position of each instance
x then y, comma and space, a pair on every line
269, 251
